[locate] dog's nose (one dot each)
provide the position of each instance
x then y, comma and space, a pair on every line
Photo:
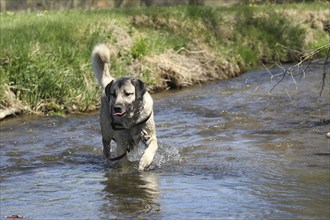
117, 109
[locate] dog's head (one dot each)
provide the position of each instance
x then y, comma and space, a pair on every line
124, 96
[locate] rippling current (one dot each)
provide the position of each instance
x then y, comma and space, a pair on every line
227, 150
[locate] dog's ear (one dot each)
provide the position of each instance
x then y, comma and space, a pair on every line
140, 88
107, 90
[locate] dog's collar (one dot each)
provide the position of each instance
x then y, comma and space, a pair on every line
120, 127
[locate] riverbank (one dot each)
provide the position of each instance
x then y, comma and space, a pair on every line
45, 57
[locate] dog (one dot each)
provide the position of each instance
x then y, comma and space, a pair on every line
126, 114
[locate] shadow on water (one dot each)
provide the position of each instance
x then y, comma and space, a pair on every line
227, 150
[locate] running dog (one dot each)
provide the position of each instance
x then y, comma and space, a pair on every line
126, 114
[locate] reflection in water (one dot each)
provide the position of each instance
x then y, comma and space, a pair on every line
130, 193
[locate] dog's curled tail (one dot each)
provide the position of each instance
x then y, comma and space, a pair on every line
100, 63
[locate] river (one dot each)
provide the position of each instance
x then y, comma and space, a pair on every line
227, 150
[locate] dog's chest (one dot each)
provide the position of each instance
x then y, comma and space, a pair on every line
128, 138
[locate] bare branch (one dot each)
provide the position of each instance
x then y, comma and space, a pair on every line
299, 69
324, 74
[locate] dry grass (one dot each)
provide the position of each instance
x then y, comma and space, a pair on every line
182, 68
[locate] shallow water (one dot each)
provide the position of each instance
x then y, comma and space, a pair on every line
228, 150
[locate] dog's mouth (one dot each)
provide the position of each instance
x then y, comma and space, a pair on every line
119, 114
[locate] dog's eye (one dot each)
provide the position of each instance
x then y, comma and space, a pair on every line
128, 94
113, 94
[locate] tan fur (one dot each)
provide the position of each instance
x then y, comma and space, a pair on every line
100, 63
124, 103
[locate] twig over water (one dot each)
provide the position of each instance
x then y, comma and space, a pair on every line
299, 69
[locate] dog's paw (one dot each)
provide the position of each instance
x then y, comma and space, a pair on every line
146, 160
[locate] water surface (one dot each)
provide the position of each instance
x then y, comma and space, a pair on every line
228, 150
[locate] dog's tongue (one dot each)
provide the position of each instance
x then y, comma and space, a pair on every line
119, 114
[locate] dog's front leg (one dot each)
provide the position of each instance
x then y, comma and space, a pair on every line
149, 154
106, 148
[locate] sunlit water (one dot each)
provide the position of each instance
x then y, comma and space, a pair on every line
228, 150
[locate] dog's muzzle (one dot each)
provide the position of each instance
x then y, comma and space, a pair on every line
118, 110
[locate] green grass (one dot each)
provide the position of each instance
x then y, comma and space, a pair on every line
45, 57
263, 36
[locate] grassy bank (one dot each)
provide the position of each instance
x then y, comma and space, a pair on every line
45, 57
